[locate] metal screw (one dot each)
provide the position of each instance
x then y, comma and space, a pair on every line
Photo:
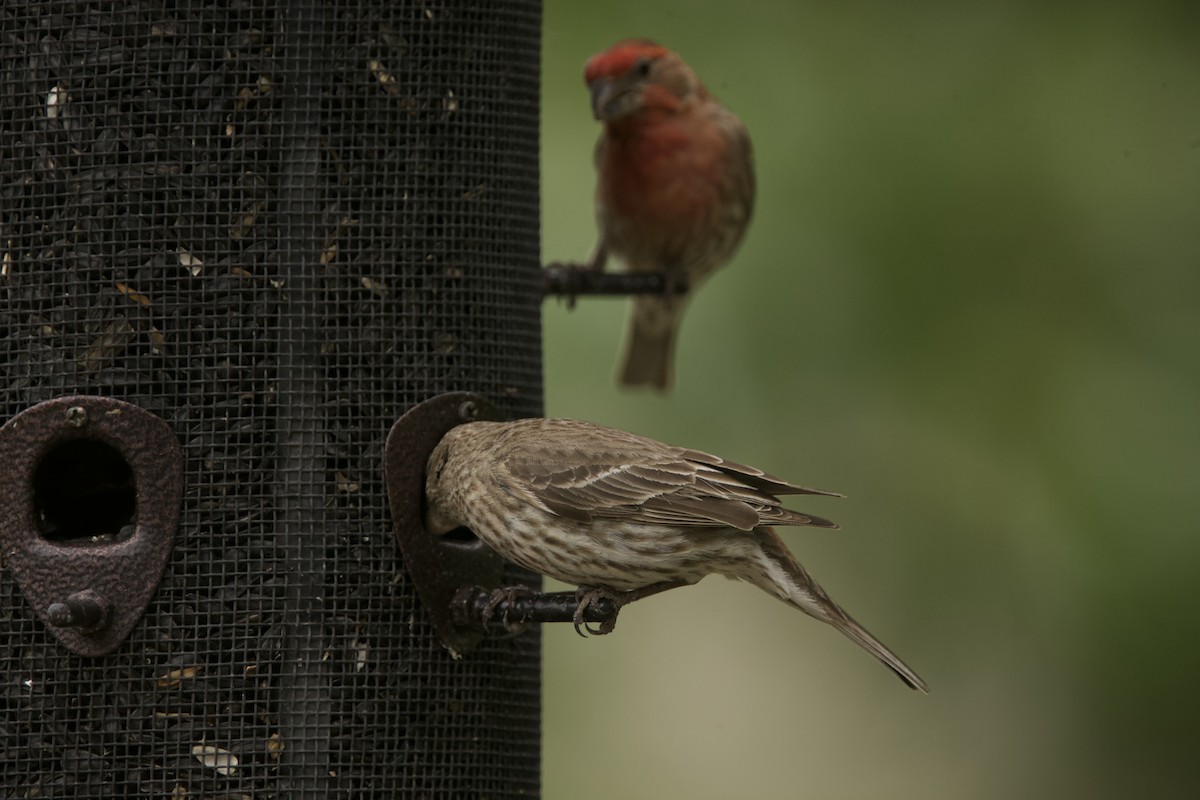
76, 416
86, 610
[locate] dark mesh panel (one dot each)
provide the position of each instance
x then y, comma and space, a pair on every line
277, 226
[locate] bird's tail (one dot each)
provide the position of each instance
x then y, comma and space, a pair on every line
781, 575
650, 343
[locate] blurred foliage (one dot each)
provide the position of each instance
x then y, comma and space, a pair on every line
968, 300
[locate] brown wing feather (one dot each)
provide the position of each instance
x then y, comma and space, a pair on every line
752, 476
584, 472
679, 509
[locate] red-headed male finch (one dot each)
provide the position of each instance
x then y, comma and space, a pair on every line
675, 188
612, 512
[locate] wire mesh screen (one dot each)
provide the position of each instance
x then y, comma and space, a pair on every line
277, 225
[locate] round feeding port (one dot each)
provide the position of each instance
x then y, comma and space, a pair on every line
83, 491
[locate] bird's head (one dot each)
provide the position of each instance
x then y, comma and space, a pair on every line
638, 74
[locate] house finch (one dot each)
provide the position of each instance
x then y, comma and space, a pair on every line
675, 188
617, 513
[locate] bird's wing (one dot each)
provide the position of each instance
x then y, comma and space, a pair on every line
643, 481
740, 155
735, 474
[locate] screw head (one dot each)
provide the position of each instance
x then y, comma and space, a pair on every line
76, 416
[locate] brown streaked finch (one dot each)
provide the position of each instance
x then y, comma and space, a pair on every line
623, 516
674, 193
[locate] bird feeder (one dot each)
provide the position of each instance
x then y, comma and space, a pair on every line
259, 232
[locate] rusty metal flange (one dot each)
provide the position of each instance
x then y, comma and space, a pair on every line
439, 567
90, 587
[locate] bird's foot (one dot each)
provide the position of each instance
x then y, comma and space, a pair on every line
565, 279
570, 281
587, 595
507, 596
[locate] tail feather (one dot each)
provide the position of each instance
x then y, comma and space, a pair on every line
650, 345
849, 626
783, 577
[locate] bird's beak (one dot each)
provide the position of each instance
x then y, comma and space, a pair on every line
603, 91
613, 99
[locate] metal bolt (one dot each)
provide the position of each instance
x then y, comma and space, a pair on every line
86, 610
76, 416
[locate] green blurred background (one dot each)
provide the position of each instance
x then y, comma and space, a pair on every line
969, 300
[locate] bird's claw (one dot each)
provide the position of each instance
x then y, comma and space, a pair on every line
509, 595
563, 278
586, 595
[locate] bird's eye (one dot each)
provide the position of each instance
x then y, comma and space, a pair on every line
468, 411
642, 68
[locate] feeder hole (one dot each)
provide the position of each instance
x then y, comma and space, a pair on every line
83, 491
